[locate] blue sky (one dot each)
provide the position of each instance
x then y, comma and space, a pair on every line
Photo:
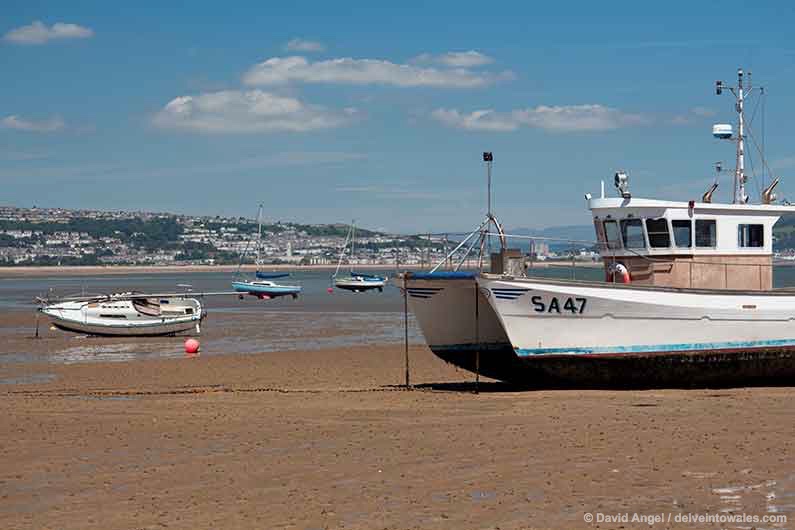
331, 111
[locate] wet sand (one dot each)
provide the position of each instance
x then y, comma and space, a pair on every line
327, 438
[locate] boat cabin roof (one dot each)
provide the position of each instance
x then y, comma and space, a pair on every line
635, 226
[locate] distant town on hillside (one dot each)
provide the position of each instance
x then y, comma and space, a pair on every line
57, 236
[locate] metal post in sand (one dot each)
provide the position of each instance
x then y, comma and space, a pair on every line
477, 342
406, 329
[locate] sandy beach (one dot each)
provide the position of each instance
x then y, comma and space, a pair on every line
328, 438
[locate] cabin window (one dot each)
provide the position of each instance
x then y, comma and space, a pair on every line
683, 233
612, 235
751, 236
705, 233
632, 233
112, 316
188, 310
658, 233
600, 231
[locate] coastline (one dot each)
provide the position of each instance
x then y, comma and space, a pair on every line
110, 270
90, 270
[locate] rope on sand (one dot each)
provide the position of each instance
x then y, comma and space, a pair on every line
202, 390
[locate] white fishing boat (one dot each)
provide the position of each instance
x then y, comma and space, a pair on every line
688, 298
358, 282
126, 314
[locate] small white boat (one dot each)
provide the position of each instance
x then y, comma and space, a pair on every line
126, 314
359, 282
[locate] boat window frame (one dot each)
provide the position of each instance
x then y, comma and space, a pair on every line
668, 234
690, 233
614, 244
714, 234
634, 221
745, 237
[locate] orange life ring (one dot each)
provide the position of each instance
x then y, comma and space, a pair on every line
618, 273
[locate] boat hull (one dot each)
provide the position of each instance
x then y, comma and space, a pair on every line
458, 323
602, 335
123, 318
269, 291
137, 330
359, 285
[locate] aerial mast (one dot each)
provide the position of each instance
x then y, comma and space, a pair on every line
740, 196
488, 158
740, 93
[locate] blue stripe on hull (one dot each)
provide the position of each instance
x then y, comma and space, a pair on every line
772, 363
657, 348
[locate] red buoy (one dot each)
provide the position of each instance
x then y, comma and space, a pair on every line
191, 346
330, 290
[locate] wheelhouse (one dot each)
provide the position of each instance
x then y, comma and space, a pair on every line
688, 244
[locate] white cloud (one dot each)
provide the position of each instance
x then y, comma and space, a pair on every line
281, 70
22, 156
21, 124
303, 45
559, 118
702, 112
479, 120
694, 114
467, 59
39, 33
787, 162
234, 111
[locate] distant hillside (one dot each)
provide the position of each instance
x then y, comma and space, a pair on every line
575, 232
582, 233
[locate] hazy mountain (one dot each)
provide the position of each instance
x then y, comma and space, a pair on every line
584, 233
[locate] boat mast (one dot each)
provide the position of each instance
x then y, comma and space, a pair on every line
342, 250
353, 242
259, 234
740, 196
488, 158
742, 91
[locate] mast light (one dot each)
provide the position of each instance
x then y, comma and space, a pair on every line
621, 181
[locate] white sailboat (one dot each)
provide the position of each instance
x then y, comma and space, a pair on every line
688, 298
357, 282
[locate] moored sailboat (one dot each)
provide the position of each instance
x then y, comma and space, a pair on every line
262, 285
356, 282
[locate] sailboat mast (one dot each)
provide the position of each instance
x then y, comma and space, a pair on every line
342, 251
353, 242
259, 234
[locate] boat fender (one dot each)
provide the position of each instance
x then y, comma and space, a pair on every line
618, 273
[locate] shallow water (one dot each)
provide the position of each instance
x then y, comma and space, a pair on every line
315, 320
